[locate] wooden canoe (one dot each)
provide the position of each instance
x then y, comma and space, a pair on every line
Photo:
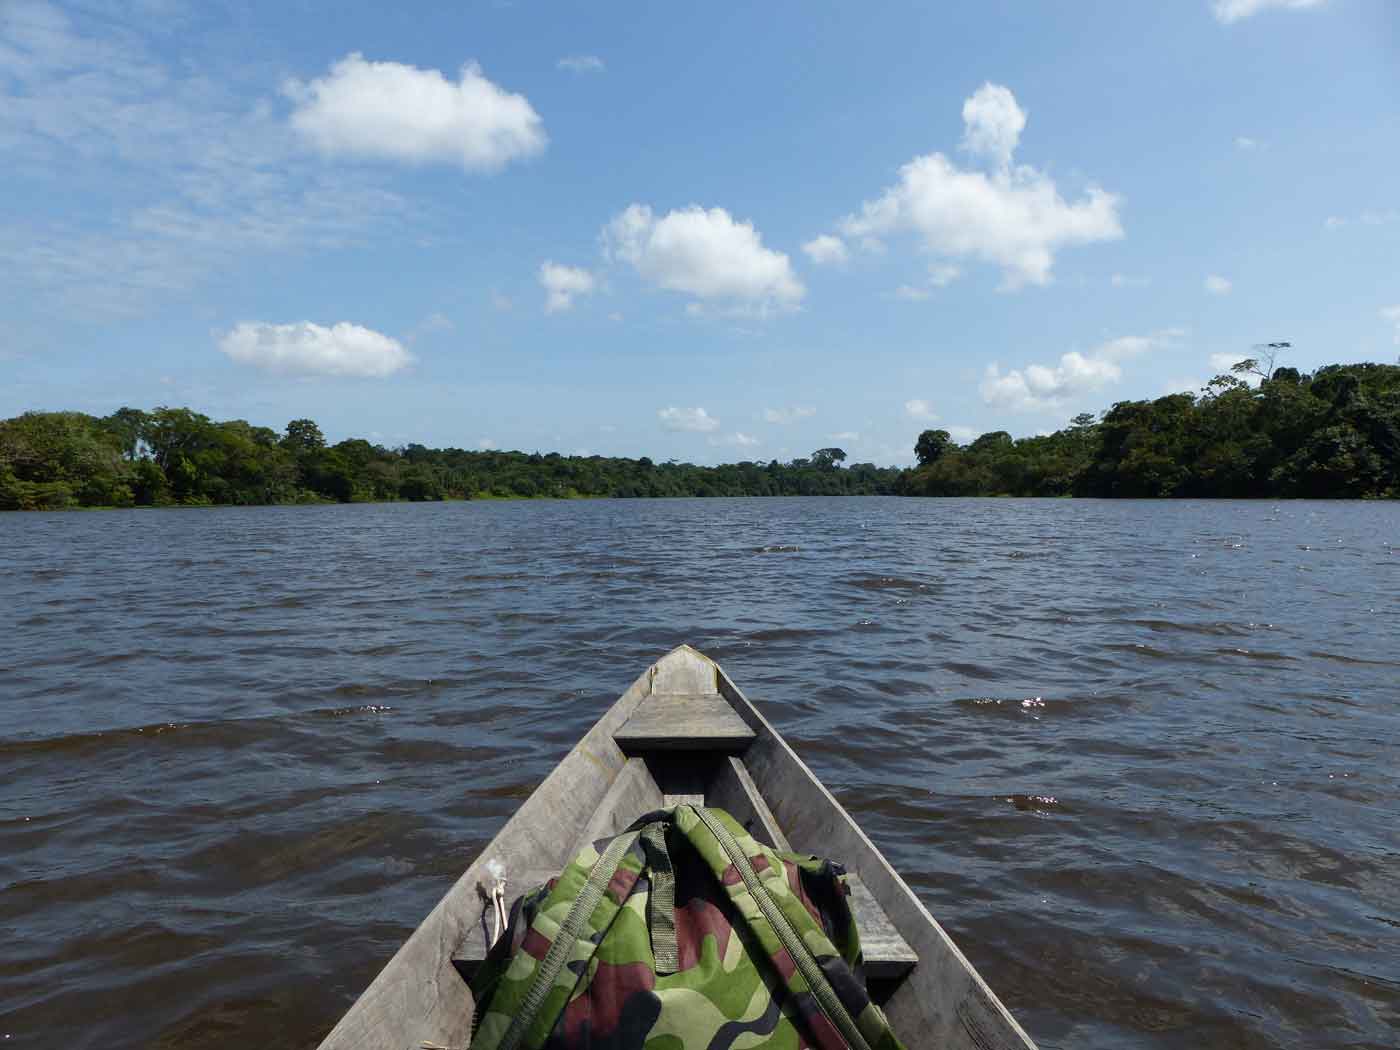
682, 733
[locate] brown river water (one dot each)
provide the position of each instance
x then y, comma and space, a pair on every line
1141, 759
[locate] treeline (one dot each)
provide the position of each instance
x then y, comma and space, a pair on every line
1334, 433
173, 456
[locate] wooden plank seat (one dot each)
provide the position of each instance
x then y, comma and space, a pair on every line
887, 955
684, 722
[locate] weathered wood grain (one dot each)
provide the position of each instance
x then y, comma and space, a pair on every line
734, 791
684, 722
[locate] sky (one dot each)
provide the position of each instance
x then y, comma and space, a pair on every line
686, 231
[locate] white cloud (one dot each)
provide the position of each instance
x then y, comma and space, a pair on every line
305, 348
846, 435
1119, 280
940, 275
201, 178
391, 111
691, 420
1039, 387
563, 283
1228, 11
616, 315
1245, 142
1012, 216
784, 416
918, 408
1217, 285
705, 253
486, 444
1366, 218
962, 434
992, 123
582, 64
1392, 314
501, 301
826, 249
738, 439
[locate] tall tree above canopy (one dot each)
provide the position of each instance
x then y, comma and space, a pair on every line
303, 435
931, 445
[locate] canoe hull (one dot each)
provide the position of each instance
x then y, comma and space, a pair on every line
420, 998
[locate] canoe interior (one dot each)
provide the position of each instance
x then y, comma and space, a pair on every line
682, 732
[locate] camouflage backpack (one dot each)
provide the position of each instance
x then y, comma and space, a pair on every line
682, 933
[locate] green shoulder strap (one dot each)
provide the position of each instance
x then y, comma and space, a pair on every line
782, 925
576, 926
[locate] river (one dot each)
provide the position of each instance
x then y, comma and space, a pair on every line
1142, 759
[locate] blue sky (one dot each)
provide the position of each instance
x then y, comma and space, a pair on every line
682, 232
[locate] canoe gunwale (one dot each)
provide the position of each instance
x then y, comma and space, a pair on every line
944, 999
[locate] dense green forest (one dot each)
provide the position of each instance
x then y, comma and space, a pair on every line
1332, 433
170, 456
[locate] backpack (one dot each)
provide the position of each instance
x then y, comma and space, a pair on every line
681, 933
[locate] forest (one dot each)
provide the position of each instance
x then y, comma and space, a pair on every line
177, 457
1332, 433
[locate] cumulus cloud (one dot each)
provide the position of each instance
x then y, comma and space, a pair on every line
690, 420
992, 123
702, 252
918, 408
846, 435
1121, 280
961, 434
563, 283
1217, 285
1038, 387
826, 249
1228, 11
390, 111
306, 349
738, 439
486, 444
1245, 142
911, 293
1392, 314
784, 416
582, 64
1012, 215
